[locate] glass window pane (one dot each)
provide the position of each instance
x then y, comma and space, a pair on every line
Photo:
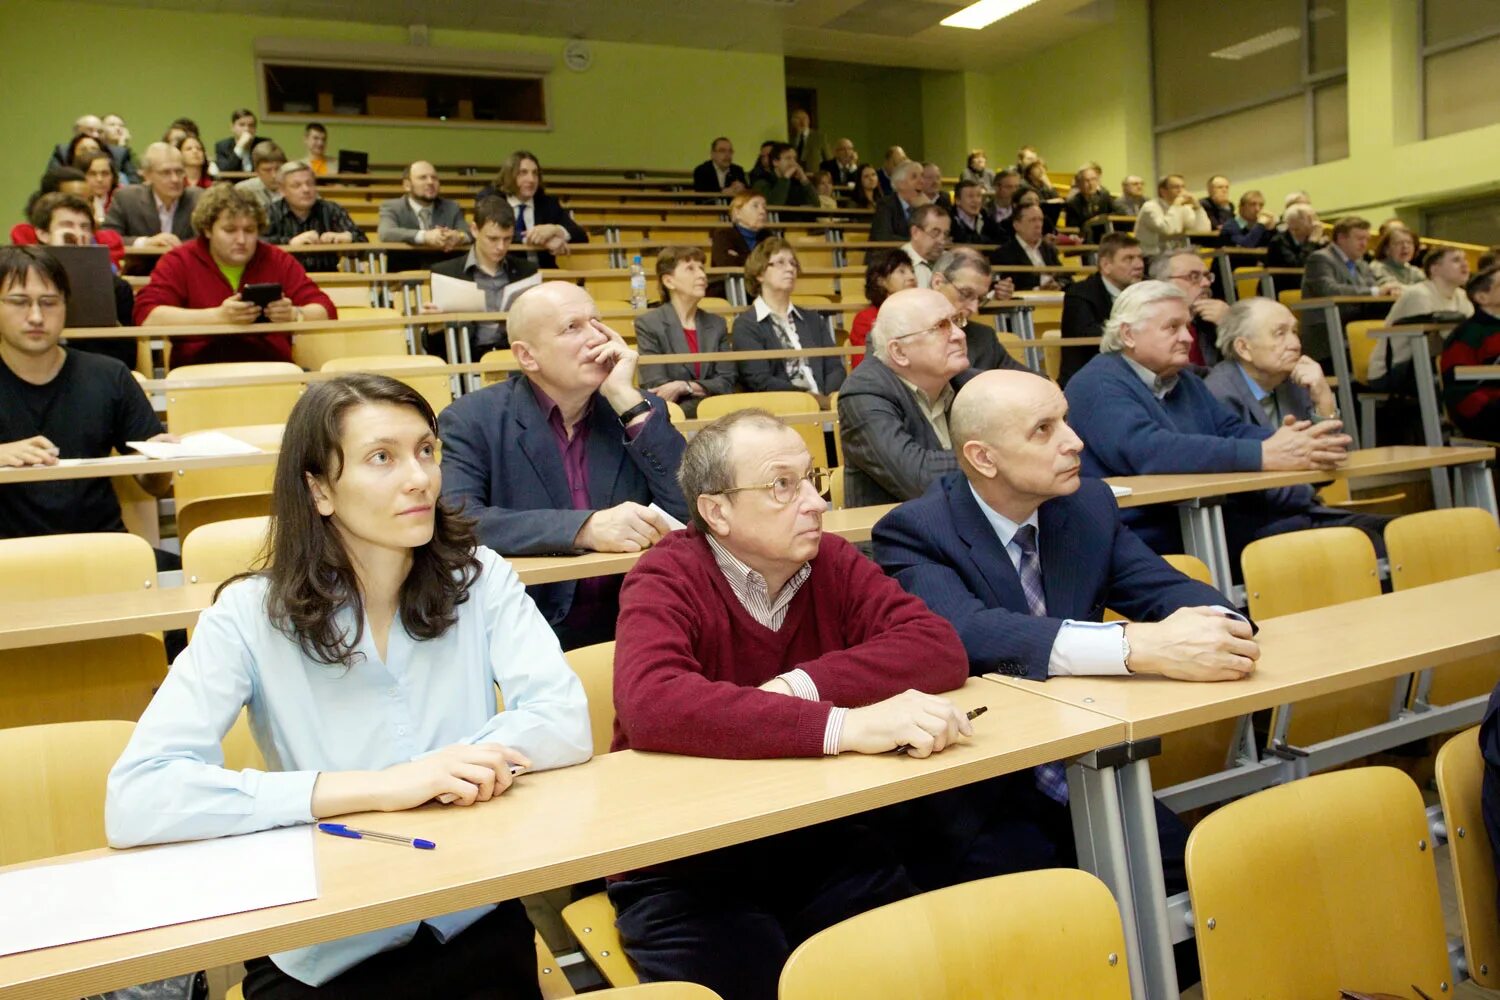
1471, 222
1264, 140
1446, 20
1328, 46
1331, 122
1458, 89
1210, 56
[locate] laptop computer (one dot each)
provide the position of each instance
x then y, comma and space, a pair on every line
352, 161
92, 302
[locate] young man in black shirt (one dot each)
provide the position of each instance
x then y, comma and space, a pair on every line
57, 403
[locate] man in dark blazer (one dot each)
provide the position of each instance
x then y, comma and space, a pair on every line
1086, 303
1022, 557
232, 154
843, 165
892, 220
1264, 377
1028, 249
893, 408
136, 211
971, 223
962, 276
719, 174
566, 457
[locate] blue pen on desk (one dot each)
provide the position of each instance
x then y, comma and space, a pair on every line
340, 830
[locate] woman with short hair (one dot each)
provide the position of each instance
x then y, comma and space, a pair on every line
678, 326
366, 649
773, 323
886, 273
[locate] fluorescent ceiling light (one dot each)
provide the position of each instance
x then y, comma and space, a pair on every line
984, 13
1260, 43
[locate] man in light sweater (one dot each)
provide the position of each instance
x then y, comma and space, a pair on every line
753, 634
1165, 221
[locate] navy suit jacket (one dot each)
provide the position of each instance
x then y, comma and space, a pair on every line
501, 464
941, 548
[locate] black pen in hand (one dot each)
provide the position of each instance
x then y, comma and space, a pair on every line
971, 715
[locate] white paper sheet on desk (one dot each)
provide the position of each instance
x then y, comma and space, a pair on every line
202, 444
672, 523
1120, 491
458, 295
135, 890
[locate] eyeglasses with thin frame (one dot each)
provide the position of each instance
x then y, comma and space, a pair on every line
1196, 277
945, 326
785, 489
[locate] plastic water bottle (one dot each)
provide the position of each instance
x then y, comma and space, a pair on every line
637, 283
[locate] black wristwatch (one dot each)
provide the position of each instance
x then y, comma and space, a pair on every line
644, 406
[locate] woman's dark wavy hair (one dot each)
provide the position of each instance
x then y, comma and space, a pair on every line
309, 571
881, 266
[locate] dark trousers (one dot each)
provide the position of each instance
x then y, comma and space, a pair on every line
730, 918
492, 959
1241, 531
1484, 425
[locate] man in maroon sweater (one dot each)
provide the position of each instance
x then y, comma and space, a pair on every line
753, 634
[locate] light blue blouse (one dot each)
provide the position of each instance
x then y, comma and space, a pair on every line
308, 717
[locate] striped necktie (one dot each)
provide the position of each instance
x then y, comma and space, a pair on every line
1051, 779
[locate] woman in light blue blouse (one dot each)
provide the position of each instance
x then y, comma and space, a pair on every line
367, 651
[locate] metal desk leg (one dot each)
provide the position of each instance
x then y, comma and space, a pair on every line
465, 356
1099, 833
1340, 352
735, 287
1268, 285
1027, 331
450, 343
1148, 885
1432, 423
1203, 536
1226, 276
1476, 488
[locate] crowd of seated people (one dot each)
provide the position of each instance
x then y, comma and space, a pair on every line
753, 633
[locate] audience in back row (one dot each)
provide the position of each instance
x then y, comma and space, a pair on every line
203, 281
1338, 268
491, 266
1394, 250
1440, 298
543, 227
1089, 201
892, 218
977, 169
234, 153
971, 223
92, 128
678, 326
1217, 206
719, 174
928, 234
788, 185
1165, 222
1029, 250
1251, 226
1132, 196
732, 244
267, 159
806, 142
195, 163
843, 167
63, 220
1088, 303
301, 218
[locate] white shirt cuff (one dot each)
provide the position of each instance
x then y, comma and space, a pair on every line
833, 731
802, 685
1087, 648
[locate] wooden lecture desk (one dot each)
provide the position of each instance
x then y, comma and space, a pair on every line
1302, 655
618, 812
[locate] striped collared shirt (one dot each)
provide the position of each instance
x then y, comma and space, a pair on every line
750, 590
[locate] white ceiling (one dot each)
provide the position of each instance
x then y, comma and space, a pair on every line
881, 32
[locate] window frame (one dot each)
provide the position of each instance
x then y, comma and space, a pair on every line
1426, 51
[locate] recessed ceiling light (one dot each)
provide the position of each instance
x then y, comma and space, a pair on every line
983, 13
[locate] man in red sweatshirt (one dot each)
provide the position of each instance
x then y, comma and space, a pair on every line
753, 634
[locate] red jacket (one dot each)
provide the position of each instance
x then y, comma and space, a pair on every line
23, 234
187, 277
689, 658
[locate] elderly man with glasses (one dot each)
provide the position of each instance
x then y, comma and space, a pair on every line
1189, 272
893, 409
753, 634
928, 238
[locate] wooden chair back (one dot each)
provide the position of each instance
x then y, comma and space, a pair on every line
218, 551
313, 351
595, 667
1437, 545
195, 514
436, 389
1362, 345
40, 567
1047, 933
1319, 885
658, 991
712, 407
1302, 571
1460, 779
191, 410
497, 354
52, 781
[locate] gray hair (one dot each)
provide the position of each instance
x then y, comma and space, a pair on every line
884, 331
155, 153
961, 258
1130, 309
904, 170
1240, 322
708, 461
1161, 264
1301, 210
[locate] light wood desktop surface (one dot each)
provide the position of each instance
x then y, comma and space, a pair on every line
616, 813
1304, 655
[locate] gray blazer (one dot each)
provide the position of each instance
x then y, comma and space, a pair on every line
399, 224
891, 452
1229, 387
660, 332
1326, 274
132, 213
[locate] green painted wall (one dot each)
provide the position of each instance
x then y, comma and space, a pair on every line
876, 106
638, 105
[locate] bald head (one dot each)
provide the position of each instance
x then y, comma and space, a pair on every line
535, 310
88, 125
908, 311
1013, 441
994, 400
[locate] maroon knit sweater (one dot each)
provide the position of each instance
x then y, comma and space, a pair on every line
689, 658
